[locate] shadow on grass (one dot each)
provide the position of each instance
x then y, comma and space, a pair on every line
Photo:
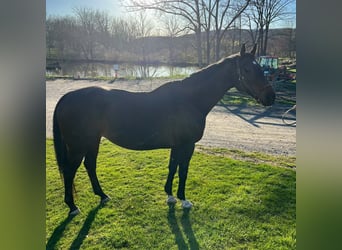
187, 229
76, 244
58, 233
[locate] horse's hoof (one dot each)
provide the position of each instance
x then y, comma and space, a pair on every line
74, 212
105, 200
186, 204
171, 200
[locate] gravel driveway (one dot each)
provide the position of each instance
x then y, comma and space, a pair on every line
234, 127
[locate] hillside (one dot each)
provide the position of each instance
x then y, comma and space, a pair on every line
181, 50
157, 49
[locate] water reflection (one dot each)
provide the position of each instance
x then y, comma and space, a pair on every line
81, 70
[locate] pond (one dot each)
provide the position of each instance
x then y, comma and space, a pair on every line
120, 70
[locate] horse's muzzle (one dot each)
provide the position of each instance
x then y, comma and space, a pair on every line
267, 97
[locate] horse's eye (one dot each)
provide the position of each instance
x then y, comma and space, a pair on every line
247, 70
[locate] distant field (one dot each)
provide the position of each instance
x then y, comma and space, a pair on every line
238, 204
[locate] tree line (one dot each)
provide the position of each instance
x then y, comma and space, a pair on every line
193, 31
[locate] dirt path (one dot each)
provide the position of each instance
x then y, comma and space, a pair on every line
233, 127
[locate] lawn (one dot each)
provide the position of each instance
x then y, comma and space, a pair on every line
285, 91
237, 204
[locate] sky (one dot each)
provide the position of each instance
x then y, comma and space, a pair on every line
65, 7
114, 8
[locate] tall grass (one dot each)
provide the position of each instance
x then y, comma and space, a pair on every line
237, 204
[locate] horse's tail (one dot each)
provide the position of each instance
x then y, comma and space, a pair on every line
60, 149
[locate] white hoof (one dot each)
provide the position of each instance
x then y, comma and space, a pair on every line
75, 212
171, 200
186, 204
105, 200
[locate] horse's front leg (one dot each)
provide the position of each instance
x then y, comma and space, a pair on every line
185, 155
179, 156
172, 171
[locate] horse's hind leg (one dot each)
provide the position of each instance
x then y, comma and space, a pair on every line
90, 164
69, 173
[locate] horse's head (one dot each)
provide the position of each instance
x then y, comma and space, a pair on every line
251, 79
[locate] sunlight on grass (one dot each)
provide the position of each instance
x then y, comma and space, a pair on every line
233, 97
237, 204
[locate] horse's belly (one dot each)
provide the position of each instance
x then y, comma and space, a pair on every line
139, 137
143, 141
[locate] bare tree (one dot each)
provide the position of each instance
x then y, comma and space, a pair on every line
144, 29
226, 12
61, 38
173, 29
86, 19
207, 10
248, 20
123, 32
200, 14
103, 29
188, 10
94, 32
264, 12
91, 34
220, 16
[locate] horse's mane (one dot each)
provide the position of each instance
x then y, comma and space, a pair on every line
207, 71
195, 79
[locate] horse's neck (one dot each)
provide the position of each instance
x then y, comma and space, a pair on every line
210, 84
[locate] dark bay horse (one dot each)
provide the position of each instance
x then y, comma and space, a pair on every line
171, 116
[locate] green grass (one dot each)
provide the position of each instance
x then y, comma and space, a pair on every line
233, 97
285, 91
237, 204
254, 157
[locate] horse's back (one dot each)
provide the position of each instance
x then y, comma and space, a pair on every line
157, 119
89, 113
79, 102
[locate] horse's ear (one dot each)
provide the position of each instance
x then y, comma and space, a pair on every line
254, 49
243, 50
